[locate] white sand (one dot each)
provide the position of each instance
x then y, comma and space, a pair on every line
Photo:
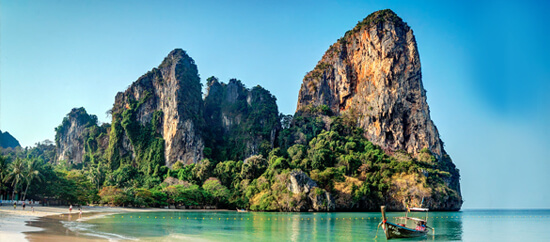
13, 222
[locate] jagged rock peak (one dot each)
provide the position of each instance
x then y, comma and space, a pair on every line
70, 135
169, 98
376, 18
386, 15
373, 73
176, 56
177, 53
241, 121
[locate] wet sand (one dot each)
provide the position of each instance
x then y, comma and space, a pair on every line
52, 229
22, 225
12, 222
46, 223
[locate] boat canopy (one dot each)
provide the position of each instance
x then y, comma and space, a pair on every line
419, 209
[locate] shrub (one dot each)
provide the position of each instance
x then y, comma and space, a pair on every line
253, 167
112, 195
216, 190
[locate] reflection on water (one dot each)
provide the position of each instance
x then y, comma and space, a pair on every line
247, 226
477, 225
448, 226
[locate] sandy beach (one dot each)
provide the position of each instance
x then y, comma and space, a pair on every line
13, 221
15, 224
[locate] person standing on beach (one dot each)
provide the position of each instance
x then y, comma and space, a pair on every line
14, 204
70, 208
23, 205
80, 212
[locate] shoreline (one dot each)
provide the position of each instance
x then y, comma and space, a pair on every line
17, 224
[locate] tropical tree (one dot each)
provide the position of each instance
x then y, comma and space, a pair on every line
96, 174
3, 172
214, 188
16, 174
32, 172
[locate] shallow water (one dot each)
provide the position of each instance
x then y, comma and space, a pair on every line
468, 225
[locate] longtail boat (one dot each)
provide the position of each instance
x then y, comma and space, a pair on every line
400, 229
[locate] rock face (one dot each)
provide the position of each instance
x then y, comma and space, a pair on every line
70, 136
373, 76
7, 140
241, 122
169, 100
373, 73
299, 182
317, 199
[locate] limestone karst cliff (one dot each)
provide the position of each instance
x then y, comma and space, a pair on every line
240, 121
160, 115
362, 135
72, 134
373, 73
159, 121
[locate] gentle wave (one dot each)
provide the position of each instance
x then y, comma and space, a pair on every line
98, 216
182, 237
88, 230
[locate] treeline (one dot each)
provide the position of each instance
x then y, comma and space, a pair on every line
30, 174
339, 167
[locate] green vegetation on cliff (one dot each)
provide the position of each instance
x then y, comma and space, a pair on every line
336, 169
240, 121
254, 157
148, 145
376, 18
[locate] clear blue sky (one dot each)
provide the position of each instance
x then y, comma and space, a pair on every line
486, 68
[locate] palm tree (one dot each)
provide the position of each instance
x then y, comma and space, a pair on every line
96, 174
32, 172
3, 172
16, 175
93, 176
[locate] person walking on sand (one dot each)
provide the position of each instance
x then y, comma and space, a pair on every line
70, 208
23, 205
14, 204
80, 212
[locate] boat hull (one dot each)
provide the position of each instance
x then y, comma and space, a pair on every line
394, 231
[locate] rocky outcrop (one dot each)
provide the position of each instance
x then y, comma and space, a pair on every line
233, 121
373, 73
241, 122
7, 140
299, 182
373, 76
321, 200
166, 101
317, 199
71, 135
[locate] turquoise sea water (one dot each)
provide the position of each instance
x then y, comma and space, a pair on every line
468, 225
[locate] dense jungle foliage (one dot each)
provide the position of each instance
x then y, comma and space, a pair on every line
329, 149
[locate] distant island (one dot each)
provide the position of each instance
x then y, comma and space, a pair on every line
7, 140
361, 137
